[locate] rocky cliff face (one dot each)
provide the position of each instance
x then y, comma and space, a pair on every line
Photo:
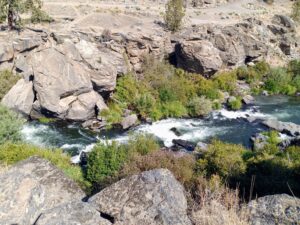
67, 75
207, 49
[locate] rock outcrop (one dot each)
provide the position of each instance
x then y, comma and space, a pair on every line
31, 187
153, 197
274, 209
289, 128
207, 48
20, 97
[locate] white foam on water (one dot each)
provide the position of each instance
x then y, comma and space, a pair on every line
32, 133
70, 146
253, 112
76, 159
193, 130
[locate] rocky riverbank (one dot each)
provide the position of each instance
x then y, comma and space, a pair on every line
36, 192
71, 75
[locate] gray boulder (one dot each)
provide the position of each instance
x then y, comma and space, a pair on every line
274, 209
83, 107
20, 98
198, 57
55, 78
283, 127
248, 99
72, 213
129, 121
152, 197
31, 187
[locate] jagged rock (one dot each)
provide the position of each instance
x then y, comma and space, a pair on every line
106, 65
152, 197
198, 57
187, 145
20, 98
201, 147
284, 21
55, 78
129, 121
31, 187
84, 106
27, 43
6, 52
283, 127
72, 213
274, 209
259, 141
248, 99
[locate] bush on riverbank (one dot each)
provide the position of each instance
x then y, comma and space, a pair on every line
10, 125
164, 91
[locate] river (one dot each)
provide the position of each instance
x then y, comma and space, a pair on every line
229, 126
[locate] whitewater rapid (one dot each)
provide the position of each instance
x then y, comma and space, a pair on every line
76, 140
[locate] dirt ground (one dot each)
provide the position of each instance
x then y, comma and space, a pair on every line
131, 16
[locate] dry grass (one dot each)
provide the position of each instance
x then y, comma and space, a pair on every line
216, 204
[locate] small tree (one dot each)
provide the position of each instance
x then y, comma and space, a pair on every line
174, 14
10, 10
296, 11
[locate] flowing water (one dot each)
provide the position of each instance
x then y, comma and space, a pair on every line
225, 125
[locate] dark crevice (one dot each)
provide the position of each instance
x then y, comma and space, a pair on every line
107, 217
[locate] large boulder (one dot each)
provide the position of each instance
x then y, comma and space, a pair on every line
72, 213
152, 197
284, 127
31, 187
56, 77
20, 98
198, 57
84, 106
274, 209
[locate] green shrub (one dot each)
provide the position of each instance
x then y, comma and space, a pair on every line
208, 88
10, 125
12, 153
294, 69
144, 104
235, 104
142, 144
226, 81
273, 137
46, 120
225, 160
278, 80
174, 14
104, 162
296, 11
113, 114
40, 16
174, 109
199, 106
7, 81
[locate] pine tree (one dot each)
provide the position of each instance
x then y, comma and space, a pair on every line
11, 10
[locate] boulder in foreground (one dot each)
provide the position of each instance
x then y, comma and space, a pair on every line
275, 209
31, 187
152, 197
